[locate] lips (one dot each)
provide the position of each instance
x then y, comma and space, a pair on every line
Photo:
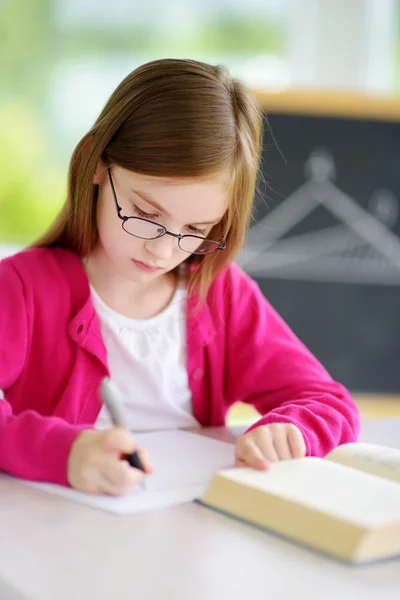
146, 266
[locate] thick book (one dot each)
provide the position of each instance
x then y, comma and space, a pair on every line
346, 505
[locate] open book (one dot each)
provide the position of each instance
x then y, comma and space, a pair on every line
347, 505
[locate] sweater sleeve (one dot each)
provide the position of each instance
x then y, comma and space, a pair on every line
32, 446
272, 370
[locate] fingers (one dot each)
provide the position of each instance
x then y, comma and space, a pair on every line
96, 465
119, 440
118, 478
280, 441
265, 440
296, 442
144, 457
248, 453
122, 442
269, 443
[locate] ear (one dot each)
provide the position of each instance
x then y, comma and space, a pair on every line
99, 173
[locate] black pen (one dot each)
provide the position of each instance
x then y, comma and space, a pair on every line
110, 399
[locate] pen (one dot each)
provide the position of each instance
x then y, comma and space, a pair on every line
110, 399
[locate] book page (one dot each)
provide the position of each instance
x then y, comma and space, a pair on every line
329, 488
377, 460
183, 463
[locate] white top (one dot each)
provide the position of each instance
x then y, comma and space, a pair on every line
147, 362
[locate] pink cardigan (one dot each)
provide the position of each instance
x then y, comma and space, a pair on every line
52, 359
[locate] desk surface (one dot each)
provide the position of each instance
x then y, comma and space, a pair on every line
51, 548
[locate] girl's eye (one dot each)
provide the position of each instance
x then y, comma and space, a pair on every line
140, 213
196, 231
143, 214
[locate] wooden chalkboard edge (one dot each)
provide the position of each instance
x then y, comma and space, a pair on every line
331, 104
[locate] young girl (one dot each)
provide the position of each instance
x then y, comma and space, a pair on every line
135, 281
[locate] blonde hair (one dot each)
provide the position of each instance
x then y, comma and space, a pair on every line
173, 118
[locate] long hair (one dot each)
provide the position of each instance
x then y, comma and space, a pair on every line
169, 118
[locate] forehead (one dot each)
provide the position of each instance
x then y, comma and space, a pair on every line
199, 198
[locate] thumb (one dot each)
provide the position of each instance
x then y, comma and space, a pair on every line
119, 440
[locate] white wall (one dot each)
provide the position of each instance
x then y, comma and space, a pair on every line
345, 44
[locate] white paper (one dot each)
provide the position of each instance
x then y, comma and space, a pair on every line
183, 465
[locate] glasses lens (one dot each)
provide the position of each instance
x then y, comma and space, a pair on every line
143, 229
195, 245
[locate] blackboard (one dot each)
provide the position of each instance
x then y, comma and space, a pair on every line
324, 244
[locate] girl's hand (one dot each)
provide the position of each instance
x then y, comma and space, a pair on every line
96, 465
269, 443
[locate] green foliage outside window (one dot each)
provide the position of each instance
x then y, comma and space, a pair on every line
33, 42
31, 186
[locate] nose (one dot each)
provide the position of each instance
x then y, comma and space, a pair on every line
163, 247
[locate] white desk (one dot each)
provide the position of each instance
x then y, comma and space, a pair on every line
381, 431
52, 549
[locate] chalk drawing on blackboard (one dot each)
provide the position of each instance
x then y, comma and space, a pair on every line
360, 249
384, 205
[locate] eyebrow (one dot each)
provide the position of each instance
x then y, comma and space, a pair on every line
147, 198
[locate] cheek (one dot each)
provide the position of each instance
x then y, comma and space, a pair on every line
112, 236
106, 225
101, 218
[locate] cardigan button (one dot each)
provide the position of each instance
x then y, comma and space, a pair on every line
198, 374
80, 330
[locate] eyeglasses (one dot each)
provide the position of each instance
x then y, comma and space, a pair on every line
150, 230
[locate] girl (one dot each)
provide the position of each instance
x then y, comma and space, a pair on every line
135, 280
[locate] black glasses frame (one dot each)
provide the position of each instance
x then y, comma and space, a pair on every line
161, 229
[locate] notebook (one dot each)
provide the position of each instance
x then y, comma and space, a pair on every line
183, 463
